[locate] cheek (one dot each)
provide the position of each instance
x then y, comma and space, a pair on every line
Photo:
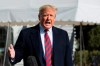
53, 20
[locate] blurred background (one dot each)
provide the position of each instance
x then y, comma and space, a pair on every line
80, 18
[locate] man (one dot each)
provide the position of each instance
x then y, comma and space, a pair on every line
34, 41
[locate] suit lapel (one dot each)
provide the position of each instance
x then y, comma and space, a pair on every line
37, 44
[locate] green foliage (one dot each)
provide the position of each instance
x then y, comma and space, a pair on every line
86, 56
94, 53
94, 37
91, 35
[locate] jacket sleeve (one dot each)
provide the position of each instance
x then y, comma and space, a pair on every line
18, 49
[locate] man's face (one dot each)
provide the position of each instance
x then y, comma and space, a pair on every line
47, 18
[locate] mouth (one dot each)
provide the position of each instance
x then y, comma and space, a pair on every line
47, 22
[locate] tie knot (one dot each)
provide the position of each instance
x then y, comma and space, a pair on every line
45, 30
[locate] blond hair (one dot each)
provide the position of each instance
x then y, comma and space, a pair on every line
42, 8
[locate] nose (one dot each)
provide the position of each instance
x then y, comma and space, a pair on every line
48, 17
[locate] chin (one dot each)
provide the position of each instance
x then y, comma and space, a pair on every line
47, 26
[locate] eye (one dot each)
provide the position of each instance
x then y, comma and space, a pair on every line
51, 15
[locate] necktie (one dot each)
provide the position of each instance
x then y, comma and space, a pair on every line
48, 49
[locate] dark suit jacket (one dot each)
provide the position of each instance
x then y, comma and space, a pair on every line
29, 44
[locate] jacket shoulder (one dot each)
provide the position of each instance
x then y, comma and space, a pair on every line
59, 29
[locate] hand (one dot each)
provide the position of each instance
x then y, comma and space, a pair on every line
11, 51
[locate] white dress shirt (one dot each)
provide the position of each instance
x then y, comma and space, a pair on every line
42, 36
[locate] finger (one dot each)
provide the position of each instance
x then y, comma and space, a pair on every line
11, 46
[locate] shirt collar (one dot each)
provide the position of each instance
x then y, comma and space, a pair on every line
42, 29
